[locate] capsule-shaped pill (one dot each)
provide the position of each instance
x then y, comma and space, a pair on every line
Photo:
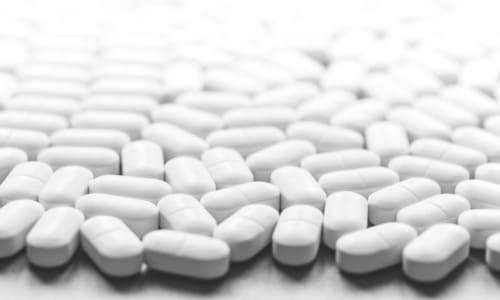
296, 238
65, 186
198, 256
182, 212
181, 78
140, 216
297, 186
448, 175
149, 189
248, 230
44, 122
25, 181
323, 106
30, 141
130, 123
126, 86
387, 140
55, 237
130, 103
436, 252
174, 140
322, 163
447, 112
384, 204
223, 203
222, 79
480, 193
325, 138
290, 95
418, 124
372, 249
279, 117
488, 172
363, 181
291, 152
107, 138
215, 102
269, 74
481, 224
360, 115
64, 107
112, 246
227, 167
98, 160
344, 75
246, 140
9, 158
478, 139
142, 159
344, 212
492, 254
472, 100
189, 176
442, 208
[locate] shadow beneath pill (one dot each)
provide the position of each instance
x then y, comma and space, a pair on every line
373, 280
477, 255
181, 283
12, 262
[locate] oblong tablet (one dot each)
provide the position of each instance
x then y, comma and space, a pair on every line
384, 204
24, 181
112, 246
492, 256
322, 163
325, 138
9, 158
16, 220
387, 140
372, 249
478, 139
418, 124
30, 141
481, 194
488, 172
55, 237
481, 224
436, 252
323, 106
142, 159
186, 254
279, 117
98, 160
227, 167
174, 140
140, 216
363, 181
188, 175
296, 238
130, 123
291, 152
131, 103
214, 102
223, 79
289, 95
246, 140
248, 230
183, 212
107, 138
64, 107
44, 122
448, 175
297, 186
360, 114
471, 100
449, 113
344, 212
65, 186
442, 208
223, 203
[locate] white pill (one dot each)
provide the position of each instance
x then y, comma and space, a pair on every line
360, 114
65, 186
471, 100
149, 189
226, 167
418, 124
140, 216
174, 140
481, 224
442, 208
289, 95
189, 176
301, 66
196, 121
322, 163
9, 158
126, 70
372, 249
246, 140
344, 212
60, 56
248, 230
448, 175
279, 117
130, 123
387, 140
182, 212
415, 78
223, 203
25, 181
363, 181
112, 246
215, 102
441, 65
55, 237
481, 74
296, 238
448, 152
142, 159
182, 77
492, 256
324, 137
223, 79
108, 138
488, 172
481, 194
385, 88
447, 112
126, 86
186, 254
56, 72
344, 75
64, 107
297, 186
436, 252
98, 160
478, 139
51, 88
269, 74
323, 106
492, 124
384, 204
44, 122
120, 103
16, 220
30, 141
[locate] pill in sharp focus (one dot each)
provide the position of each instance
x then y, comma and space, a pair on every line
481, 194
226, 167
24, 181
30, 141
387, 140
9, 158
188, 175
142, 158
107, 138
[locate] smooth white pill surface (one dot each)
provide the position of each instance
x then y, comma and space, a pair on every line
142, 159
471, 100
447, 112
481, 224
214, 102
186, 254
130, 123
44, 122
372, 249
296, 238
279, 117
120, 103
479, 139
30, 141
64, 107
9, 158
360, 114
481, 194
107, 138
226, 167
387, 140
290, 95
24, 181
488, 172
188, 175
492, 256
323, 106
418, 124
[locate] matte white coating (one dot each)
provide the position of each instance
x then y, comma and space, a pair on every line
188, 175
142, 159
226, 167
481, 224
44, 122
418, 124
478, 139
488, 172
107, 138
24, 181
480, 193
30, 141
387, 140
130, 123
279, 117
9, 158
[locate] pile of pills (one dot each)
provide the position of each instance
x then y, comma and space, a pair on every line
191, 146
